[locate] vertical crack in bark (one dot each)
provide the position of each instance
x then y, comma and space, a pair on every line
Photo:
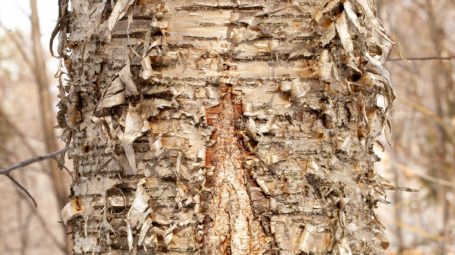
231, 213
234, 212
231, 216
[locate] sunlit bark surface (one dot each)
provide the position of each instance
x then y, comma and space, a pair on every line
224, 127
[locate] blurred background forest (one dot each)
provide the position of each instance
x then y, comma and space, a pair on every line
421, 157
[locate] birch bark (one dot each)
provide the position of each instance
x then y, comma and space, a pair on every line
224, 127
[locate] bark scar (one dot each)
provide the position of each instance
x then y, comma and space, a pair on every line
232, 229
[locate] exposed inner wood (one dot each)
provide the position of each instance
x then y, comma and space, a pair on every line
232, 228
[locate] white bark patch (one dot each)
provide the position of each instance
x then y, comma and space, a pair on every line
329, 34
169, 235
269, 125
129, 234
114, 95
140, 204
126, 77
120, 9
147, 71
316, 239
325, 66
352, 16
343, 247
299, 89
144, 229
343, 33
134, 127
85, 245
94, 186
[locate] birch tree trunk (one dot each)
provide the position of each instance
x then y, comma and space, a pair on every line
224, 127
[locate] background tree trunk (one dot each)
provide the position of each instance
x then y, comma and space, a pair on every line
46, 106
224, 127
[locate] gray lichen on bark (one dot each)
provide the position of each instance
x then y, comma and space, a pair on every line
224, 127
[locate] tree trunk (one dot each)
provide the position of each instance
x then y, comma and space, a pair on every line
224, 127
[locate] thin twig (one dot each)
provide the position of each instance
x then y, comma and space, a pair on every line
46, 229
19, 133
421, 58
430, 114
19, 45
409, 171
419, 231
27, 162
22, 188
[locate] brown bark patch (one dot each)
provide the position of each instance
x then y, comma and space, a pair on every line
231, 228
212, 116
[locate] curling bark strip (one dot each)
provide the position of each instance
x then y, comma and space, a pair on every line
225, 127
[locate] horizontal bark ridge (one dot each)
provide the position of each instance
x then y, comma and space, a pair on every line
224, 127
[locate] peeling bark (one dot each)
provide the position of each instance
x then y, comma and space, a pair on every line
225, 127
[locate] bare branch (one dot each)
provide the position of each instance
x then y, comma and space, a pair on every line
9, 169
46, 229
19, 45
420, 231
421, 58
19, 133
430, 114
409, 171
22, 188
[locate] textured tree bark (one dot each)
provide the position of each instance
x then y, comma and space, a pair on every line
224, 127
